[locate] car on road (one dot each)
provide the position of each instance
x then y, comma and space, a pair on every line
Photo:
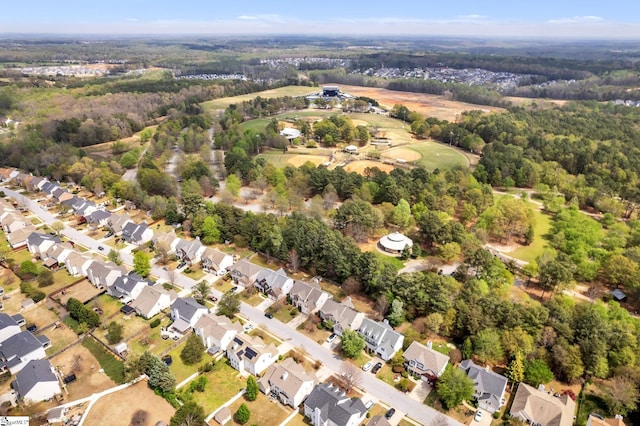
248, 327
478, 416
390, 413
376, 368
269, 315
100, 248
367, 366
182, 265
331, 338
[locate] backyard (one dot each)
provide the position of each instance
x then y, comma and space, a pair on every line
223, 382
264, 411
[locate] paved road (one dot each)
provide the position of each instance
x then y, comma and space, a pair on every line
380, 390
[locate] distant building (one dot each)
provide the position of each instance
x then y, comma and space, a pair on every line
290, 133
330, 91
395, 243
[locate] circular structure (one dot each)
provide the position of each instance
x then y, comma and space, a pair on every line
395, 243
290, 133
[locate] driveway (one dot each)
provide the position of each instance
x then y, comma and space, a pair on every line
485, 421
420, 392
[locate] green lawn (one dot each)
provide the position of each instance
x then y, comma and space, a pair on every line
257, 126
272, 93
151, 341
20, 256
196, 274
386, 375
541, 230
113, 367
278, 160
263, 411
266, 337
179, 369
223, 383
437, 155
285, 314
108, 304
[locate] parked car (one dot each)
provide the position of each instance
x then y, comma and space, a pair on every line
32, 328
212, 298
478, 416
248, 327
233, 289
390, 413
367, 366
369, 404
331, 338
182, 265
269, 315
167, 360
100, 248
376, 368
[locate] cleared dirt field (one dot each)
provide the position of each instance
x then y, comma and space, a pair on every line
87, 370
83, 291
360, 165
111, 411
429, 105
299, 160
403, 154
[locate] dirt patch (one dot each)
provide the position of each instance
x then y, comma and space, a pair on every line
360, 165
83, 291
299, 160
111, 411
403, 154
429, 105
79, 361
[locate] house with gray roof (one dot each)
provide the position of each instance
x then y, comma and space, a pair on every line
12, 222
36, 382
217, 332
275, 284
185, 313
104, 274
381, 338
378, 421
38, 243
98, 217
137, 233
19, 349
244, 272
489, 387
424, 361
48, 188
328, 406
84, 207
127, 287
8, 327
213, 260
341, 314
60, 194
190, 251
308, 298
117, 222
77, 263
36, 183
251, 353
56, 255
288, 381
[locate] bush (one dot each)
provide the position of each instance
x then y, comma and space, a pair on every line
198, 385
155, 323
32, 292
252, 389
205, 368
45, 279
243, 414
114, 333
193, 350
496, 415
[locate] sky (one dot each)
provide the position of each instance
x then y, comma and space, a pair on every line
489, 18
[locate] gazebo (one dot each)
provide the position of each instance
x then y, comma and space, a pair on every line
395, 243
290, 133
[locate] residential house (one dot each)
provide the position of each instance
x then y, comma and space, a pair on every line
251, 354
18, 238
217, 332
137, 233
288, 381
307, 298
190, 251
19, 179
244, 272
215, 261
38, 243
84, 207
169, 240
127, 287
597, 420
275, 284
77, 263
7, 174
36, 382
13, 221
152, 300
48, 188
489, 387
8, 327
381, 338
104, 274
424, 361
60, 194
117, 222
330, 406
35, 184
56, 255
19, 349
98, 218
185, 313
531, 405
342, 315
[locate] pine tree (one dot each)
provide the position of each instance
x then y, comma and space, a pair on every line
515, 370
252, 389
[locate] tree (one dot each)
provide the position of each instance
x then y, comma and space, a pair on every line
294, 260
401, 213
114, 332
352, 343
487, 345
351, 375
158, 372
57, 227
82, 314
229, 305
554, 270
141, 264
193, 350
201, 291
621, 395
453, 387
114, 256
233, 185
396, 314
252, 389
210, 231
537, 372
189, 414
243, 414
45, 278
515, 370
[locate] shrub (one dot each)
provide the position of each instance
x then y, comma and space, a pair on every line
155, 323
193, 350
114, 333
198, 385
205, 368
252, 389
32, 292
243, 414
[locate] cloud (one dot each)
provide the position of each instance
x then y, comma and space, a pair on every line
269, 18
576, 20
472, 17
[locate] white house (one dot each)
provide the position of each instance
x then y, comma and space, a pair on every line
168, 240
127, 287
104, 274
217, 332
213, 260
151, 300
190, 251
275, 284
38, 243
330, 406
36, 382
77, 264
424, 361
185, 313
489, 387
288, 381
244, 272
342, 315
19, 349
137, 233
18, 238
381, 338
251, 354
8, 327
307, 298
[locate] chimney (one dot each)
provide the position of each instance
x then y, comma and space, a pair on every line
541, 388
429, 344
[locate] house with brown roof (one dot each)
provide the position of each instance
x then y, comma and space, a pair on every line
19, 237
536, 406
308, 298
597, 420
152, 300
190, 251
275, 284
77, 263
117, 222
342, 315
244, 272
424, 361
217, 332
169, 240
56, 255
13, 221
249, 353
213, 260
104, 274
288, 381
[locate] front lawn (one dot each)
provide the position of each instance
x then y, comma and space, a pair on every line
223, 382
319, 335
253, 300
266, 337
194, 273
285, 314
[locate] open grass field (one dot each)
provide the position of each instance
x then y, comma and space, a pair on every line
61, 336
438, 156
110, 411
113, 367
272, 93
359, 166
40, 315
406, 154
179, 369
540, 242
428, 105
